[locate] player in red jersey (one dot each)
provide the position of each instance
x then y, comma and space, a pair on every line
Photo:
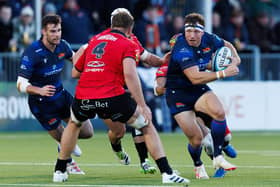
109, 62
115, 134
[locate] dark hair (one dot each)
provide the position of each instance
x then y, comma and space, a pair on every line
194, 18
5, 5
122, 19
50, 19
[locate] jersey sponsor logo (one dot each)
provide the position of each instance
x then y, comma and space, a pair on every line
52, 121
97, 104
94, 70
53, 72
179, 105
107, 37
206, 50
185, 59
22, 66
61, 56
96, 64
25, 58
115, 117
38, 50
183, 50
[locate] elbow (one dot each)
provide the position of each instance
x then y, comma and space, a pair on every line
75, 74
128, 75
196, 82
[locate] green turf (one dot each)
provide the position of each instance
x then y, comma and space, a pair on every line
28, 158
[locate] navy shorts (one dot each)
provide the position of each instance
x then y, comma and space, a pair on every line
50, 113
180, 100
119, 108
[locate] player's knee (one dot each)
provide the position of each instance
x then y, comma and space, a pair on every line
139, 123
196, 140
86, 130
86, 134
74, 120
219, 114
117, 133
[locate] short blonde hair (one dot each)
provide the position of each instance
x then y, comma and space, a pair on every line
121, 17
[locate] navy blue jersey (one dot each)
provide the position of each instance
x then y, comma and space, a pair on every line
43, 67
184, 56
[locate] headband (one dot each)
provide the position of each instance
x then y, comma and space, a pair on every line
196, 26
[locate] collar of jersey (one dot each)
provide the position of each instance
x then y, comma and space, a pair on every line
118, 32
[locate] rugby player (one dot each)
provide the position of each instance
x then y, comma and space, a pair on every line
39, 76
109, 63
187, 92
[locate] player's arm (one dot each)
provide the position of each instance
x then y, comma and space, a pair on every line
200, 77
24, 86
203, 77
235, 59
159, 87
78, 61
79, 53
154, 60
75, 73
134, 86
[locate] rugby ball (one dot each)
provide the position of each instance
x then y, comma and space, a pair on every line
221, 58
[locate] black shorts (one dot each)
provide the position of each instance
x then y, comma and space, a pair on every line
205, 117
119, 108
180, 100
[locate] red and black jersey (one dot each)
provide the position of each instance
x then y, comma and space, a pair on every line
101, 65
135, 39
162, 71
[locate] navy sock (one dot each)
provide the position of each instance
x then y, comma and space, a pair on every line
218, 129
195, 153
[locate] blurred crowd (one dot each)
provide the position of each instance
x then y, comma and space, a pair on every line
241, 22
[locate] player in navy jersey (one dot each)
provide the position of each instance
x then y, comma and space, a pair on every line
187, 92
205, 120
39, 76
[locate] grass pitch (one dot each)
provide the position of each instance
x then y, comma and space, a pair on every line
27, 159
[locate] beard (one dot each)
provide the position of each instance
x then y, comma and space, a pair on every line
53, 41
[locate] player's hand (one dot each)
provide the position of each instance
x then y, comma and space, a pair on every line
47, 90
231, 70
146, 112
166, 57
234, 60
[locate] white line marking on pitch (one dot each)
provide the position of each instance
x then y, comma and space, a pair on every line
118, 165
80, 185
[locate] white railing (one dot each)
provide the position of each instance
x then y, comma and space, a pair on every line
256, 66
